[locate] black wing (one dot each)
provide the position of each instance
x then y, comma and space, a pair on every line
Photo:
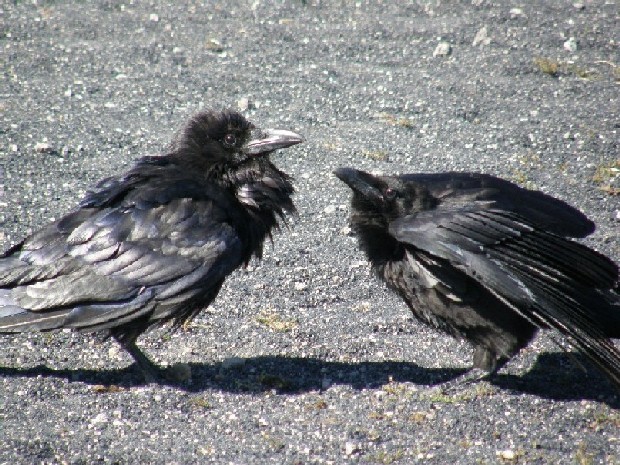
102, 266
510, 241
454, 190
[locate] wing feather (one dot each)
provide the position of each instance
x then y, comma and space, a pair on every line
550, 280
100, 267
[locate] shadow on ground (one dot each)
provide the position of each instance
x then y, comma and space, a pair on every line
554, 376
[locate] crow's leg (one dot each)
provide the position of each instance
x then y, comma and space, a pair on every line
461, 382
486, 364
487, 360
150, 370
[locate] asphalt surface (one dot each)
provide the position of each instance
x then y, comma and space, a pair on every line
305, 358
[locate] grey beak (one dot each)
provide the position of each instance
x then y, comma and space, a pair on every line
270, 140
360, 182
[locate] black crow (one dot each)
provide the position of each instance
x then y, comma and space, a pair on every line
488, 261
154, 244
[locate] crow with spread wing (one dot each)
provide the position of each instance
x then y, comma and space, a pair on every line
155, 244
489, 262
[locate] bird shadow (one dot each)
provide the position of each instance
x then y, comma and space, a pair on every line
562, 376
554, 376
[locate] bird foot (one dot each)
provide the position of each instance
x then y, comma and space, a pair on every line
152, 373
463, 381
177, 373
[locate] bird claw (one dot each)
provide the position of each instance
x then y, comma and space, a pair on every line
177, 373
463, 381
152, 373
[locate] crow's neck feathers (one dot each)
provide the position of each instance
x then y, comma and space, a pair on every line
372, 230
265, 194
371, 221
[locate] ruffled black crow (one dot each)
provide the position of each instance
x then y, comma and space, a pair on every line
488, 261
154, 244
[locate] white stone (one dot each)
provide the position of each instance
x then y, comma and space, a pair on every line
243, 104
570, 45
350, 448
482, 37
99, 418
43, 147
443, 49
507, 454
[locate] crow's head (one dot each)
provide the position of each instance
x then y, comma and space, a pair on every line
380, 199
231, 153
226, 138
376, 202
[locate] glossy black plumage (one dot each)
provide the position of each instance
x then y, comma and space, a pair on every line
154, 244
488, 261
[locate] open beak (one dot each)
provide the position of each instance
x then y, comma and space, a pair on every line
361, 183
270, 140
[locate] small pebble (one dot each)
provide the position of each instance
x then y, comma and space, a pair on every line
443, 49
214, 45
99, 418
350, 448
243, 104
507, 454
570, 45
44, 147
515, 12
482, 37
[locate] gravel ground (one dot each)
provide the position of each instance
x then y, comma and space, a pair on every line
305, 358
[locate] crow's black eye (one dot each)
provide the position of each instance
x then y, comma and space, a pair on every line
389, 193
230, 140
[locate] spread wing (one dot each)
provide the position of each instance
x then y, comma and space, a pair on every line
109, 263
522, 257
476, 190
